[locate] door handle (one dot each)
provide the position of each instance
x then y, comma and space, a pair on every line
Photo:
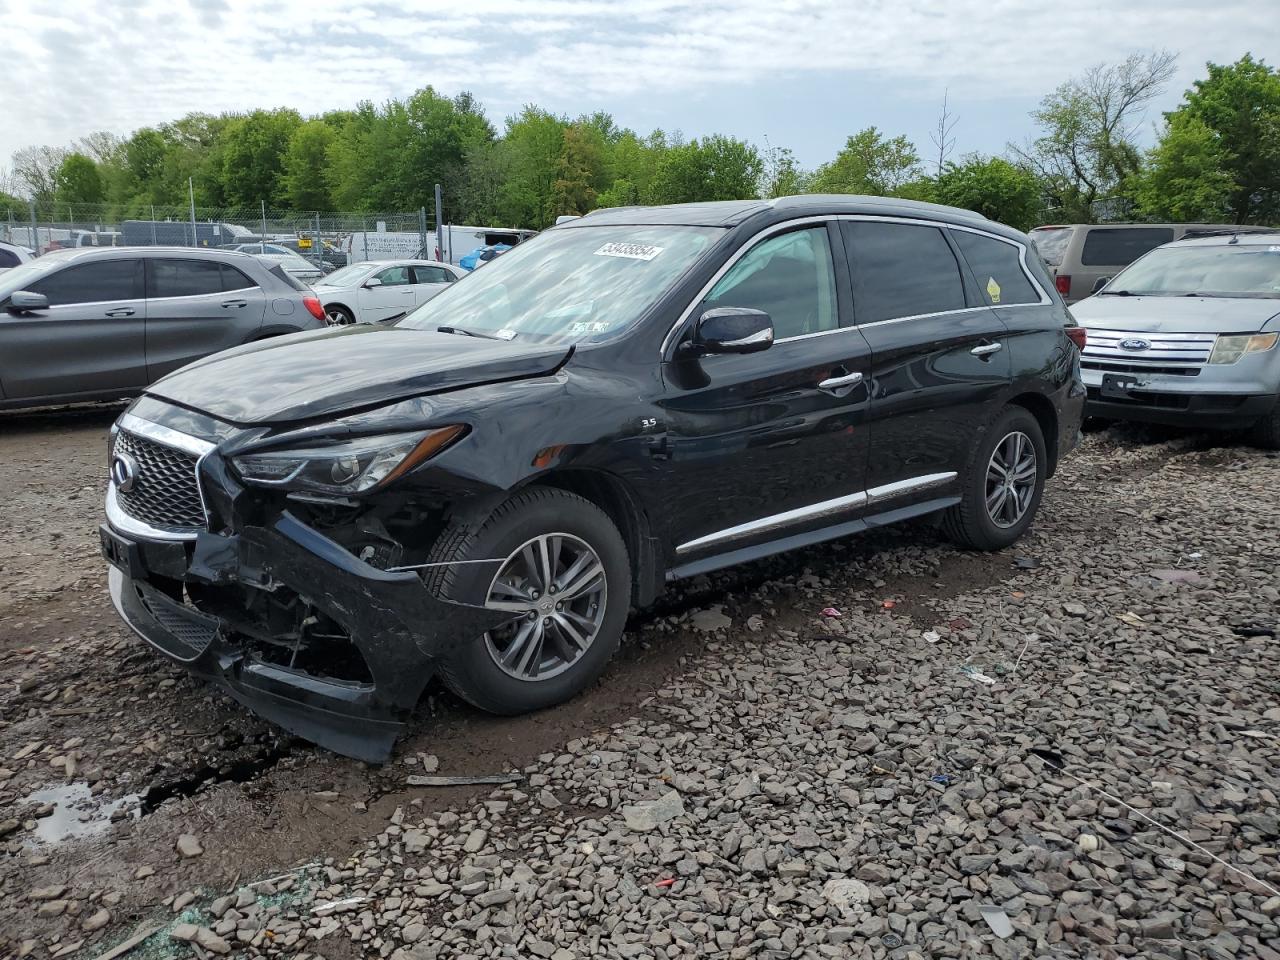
120, 312
985, 350
235, 303
846, 380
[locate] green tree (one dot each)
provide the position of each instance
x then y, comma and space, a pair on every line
77, 180
306, 167
870, 163
253, 148
631, 162
1239, 105
782, 176
993, 187
535, 141
1088, 149
717, 168
579, 171
1186, 175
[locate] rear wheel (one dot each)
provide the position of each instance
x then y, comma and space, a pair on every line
1002, 486
565, 577
338, 315
1266, 432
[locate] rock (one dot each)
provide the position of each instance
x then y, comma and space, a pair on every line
753, 861
415, 841
1162, 927
805, 838
188, 846
1075, 609
52, 908
495, 898
710, 620
844, 892
143, 872
475, 841
875, 873
47, 893
1087, 842
96, 921
974, 863
646, 816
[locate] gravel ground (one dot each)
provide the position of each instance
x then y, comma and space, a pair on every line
1076, 738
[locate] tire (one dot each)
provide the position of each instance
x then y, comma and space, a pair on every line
970, 523
575, 527
1266, 432
338, 316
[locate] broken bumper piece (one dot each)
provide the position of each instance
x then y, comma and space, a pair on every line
397, 625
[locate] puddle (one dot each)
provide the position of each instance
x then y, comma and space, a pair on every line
76, 812
242, 769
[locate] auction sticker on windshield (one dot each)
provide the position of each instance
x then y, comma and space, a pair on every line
629, 251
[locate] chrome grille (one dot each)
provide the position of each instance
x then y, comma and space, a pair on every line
1166, 348
165, 493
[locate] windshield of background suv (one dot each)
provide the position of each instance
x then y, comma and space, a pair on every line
567, 285
1221, 270
1051, 243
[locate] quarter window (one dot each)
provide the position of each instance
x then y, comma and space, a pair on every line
789, 277
1120, 246
233, 279
98, 282
902, 270
997, 266
8, 259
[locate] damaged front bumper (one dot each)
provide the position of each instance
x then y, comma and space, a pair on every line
398, 627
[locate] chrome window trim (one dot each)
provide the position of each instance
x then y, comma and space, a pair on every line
97, 303
813, 220
778, 521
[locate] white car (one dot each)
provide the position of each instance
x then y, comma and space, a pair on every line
381, 289
294, 264
11, 255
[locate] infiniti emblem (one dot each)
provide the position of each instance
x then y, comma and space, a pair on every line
1135, 344
124, 472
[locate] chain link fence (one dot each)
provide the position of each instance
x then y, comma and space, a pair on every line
327, 239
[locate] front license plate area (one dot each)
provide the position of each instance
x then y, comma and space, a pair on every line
1117, 385
120, 553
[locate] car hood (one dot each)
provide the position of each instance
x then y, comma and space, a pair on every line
324, 372
1175, 314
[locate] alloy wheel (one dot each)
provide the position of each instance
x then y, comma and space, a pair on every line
1011, 479
337, 318
556, 584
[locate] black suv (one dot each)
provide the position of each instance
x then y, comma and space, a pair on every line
322, 522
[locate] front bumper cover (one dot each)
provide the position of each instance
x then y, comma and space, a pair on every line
398, 626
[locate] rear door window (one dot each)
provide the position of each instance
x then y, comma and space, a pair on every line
901, 270
100, 282
997, 266
1120, 246
184, 278
233, 279
431, 275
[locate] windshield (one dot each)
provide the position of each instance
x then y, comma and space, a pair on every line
346, 276
1221, 270
567, 285
1051, 243
23, 274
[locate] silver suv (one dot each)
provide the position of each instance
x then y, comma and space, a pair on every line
1187, 335
100, 323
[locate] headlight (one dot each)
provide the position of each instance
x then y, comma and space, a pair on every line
1231, 349
347, 466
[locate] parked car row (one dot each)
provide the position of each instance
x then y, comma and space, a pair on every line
380, 290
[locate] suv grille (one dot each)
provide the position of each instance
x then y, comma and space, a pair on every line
1165, 348
165, 494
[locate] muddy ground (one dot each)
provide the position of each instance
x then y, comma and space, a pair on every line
108, 754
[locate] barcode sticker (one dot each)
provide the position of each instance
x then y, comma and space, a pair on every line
629, 251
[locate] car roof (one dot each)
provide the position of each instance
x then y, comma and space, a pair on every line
406, 262
179, 253
1253, 238
731, 213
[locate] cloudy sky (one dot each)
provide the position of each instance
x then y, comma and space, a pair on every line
800, 73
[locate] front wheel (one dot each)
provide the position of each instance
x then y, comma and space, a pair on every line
1002, 486
1266, 432
561, 569
339, 316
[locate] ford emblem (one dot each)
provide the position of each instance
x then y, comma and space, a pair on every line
124, 472
1135, 344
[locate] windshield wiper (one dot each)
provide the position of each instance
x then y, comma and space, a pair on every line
1117, 293
466, 333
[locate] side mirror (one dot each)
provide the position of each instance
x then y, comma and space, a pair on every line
23, 301
1100, 283
732, 330
372, 282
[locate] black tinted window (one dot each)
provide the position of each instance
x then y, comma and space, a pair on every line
184, 278
902, 270
233, 279
997, 266
789, 277
431, 275
1121, 246
93, 282
8, 258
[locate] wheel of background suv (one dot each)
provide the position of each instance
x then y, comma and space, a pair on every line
1002, 485
1266, 432
338, 315
564, 573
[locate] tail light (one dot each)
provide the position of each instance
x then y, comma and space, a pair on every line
1063, 283
1079, 336
314, 307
